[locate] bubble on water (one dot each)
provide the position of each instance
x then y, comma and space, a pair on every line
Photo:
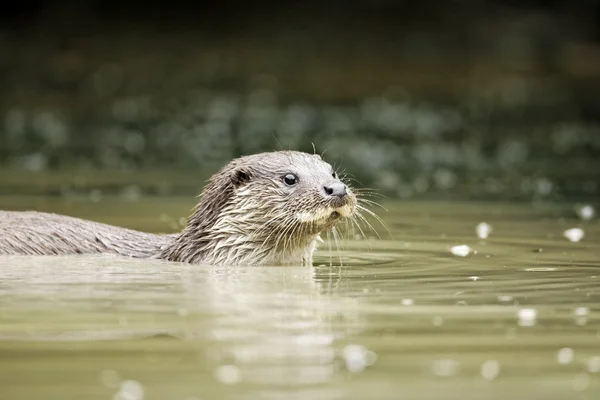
585, 212
474, 278
574, 234
358, 357
581, 315
582, 311
110, 378
541, 269
407, 302
593, 364
130, 390
461, 250
490, 369
505, 298
445, 367
527, 316
565, 356
228, 374
483, 230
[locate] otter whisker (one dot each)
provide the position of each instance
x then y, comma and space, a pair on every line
366, 193
370, 202
335, 237
372, 214
360, 217
355, 223
330, 249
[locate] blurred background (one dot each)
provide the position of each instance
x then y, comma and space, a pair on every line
466, 98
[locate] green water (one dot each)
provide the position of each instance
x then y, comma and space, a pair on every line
403, 318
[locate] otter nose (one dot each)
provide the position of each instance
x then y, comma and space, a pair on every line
335, 189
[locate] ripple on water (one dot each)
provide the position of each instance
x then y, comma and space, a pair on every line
403, 317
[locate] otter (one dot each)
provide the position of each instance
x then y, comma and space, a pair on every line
262, 209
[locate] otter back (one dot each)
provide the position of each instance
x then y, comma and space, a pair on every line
36, 233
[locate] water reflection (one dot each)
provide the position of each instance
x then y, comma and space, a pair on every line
274, 327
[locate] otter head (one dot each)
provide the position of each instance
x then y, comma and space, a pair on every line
266, 208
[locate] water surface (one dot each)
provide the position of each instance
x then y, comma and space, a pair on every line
401, 318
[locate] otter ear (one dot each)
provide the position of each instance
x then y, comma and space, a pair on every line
241, 176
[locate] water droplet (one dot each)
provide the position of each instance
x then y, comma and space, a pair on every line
483, 230
407, 302
582, 311
527, 316
461, 250
574, 234
581, 315
130, 390
565, 356
585, 212
490, 369
357, 357
228, 374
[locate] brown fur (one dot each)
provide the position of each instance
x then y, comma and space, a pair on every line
247, 215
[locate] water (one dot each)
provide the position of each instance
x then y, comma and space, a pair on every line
403, 318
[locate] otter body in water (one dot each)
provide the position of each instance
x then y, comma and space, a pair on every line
261, 209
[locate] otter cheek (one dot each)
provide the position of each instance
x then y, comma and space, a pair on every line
306, 216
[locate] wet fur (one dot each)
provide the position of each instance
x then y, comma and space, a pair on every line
246, 216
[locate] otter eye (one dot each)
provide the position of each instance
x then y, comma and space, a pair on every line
290, 179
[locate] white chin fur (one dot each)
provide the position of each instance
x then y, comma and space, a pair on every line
305, 217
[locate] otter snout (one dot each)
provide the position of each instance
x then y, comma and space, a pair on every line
336, 189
